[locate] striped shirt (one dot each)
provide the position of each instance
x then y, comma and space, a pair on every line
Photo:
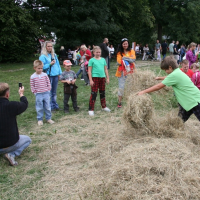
40, 83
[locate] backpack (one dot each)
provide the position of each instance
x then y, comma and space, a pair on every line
86, 66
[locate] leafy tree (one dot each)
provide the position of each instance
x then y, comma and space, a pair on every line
74, 21
176, 18
19, 33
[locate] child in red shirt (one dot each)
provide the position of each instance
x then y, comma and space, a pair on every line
185, 68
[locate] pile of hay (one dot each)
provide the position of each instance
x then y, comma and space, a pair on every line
138, 111
141, 80
140, 114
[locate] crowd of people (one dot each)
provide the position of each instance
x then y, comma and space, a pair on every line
94, 68
180, 52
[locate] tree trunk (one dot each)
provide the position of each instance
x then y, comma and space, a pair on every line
160, 32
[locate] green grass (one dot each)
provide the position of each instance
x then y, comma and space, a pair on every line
17, 182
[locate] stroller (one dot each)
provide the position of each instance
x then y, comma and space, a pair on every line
150, 55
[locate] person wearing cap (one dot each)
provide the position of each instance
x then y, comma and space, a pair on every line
124, 53
11, 143
68, 77
52, 68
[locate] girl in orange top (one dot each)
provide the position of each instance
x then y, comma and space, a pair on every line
124, 50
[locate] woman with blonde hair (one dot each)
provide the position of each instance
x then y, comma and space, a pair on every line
52, 68
191, 56
62, 54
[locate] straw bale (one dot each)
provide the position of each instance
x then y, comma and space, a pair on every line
141, 80
138, 111
171, 125
140, 114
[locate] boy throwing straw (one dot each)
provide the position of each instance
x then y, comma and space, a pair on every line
187, 94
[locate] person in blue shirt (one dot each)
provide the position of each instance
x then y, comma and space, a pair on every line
52, 68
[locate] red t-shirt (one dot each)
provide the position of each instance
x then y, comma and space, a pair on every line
88, 52
189, 72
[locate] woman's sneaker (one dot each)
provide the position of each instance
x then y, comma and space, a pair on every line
10, 159
119, 105
91, 112
106, 109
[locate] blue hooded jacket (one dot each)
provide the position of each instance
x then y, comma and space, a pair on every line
55, 69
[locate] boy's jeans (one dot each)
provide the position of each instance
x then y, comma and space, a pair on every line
85, 76
42, 105
54, 84
79, 71
15, 150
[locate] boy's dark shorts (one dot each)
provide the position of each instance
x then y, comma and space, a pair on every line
186, 114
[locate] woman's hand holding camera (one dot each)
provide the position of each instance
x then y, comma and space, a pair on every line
52, 62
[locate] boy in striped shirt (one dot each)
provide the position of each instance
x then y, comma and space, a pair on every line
41, 87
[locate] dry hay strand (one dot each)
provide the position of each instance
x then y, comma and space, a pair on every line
138, 111
141, 80
140, 114
171, 125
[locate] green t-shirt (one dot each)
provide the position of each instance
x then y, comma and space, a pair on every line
187, 94
97, 67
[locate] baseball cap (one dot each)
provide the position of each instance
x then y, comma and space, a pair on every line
67, 62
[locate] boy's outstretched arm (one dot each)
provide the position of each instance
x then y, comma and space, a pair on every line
160, 78
152, 89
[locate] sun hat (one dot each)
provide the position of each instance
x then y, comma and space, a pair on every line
67, 62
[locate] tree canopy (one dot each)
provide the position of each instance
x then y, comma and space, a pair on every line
88, 21
19, 32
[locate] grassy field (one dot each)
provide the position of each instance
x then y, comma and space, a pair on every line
80, 157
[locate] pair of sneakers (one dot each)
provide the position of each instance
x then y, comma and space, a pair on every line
10, 159
50, 121
91, 112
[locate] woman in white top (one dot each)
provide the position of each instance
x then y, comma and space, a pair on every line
145, 50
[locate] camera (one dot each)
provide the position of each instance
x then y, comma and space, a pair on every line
20, 85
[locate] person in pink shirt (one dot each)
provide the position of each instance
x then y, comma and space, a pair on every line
191, 56
85, 55
196, 75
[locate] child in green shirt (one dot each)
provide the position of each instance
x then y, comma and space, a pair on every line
187, 94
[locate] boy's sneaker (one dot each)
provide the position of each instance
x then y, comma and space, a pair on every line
77, 109
50, 121
119, 105
10, 159
66, 111
40, 123
82, 79
106, 109
91, 112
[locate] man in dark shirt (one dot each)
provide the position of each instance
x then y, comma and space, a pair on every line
11, 143
176, 56
104, 50
164, 48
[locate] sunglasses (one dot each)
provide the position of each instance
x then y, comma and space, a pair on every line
124, 39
